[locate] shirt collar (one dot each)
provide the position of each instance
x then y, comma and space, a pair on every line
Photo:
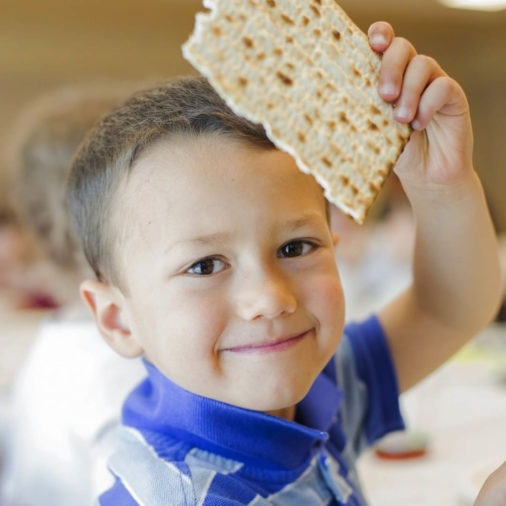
159, 405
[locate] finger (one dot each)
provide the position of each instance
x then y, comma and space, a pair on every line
381, 34
421, 71
443, 95
393, 66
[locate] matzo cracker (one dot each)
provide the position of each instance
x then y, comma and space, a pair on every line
307, 73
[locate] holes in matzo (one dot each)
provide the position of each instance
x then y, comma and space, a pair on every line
374, 148
270, 105
290, 66
375, 110
316, 11
308, 119
287, 81
248, 42
327, 162
289, 40
278, 51
336, 34
217, 31
372, 125
229, 18
301, 136
317, 32
356, 72
305, 20
343, 118
271, 3
368, 82
243, 82
260, 56
287, 20
332, 125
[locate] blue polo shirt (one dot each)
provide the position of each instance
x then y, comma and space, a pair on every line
177, 448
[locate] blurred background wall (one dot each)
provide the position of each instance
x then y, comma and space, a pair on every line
48, 44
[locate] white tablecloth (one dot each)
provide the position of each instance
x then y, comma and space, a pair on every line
462, 407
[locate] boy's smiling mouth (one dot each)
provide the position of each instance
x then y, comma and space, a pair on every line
280, 343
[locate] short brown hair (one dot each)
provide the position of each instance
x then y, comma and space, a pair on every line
186, 106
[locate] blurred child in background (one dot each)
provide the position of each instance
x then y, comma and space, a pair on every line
68, 394
21, 285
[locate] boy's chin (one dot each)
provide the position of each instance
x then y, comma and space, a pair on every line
274, 403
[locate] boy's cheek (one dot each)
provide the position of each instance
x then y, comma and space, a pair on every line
324, 299
328, 293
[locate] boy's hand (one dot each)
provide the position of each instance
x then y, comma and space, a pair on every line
439, 152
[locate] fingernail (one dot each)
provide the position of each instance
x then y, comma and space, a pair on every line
388, 89
402, 113
416, 124
378, 39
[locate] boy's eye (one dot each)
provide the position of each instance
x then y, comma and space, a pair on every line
296, 249
207, 266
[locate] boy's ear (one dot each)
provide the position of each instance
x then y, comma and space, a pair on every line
107, 307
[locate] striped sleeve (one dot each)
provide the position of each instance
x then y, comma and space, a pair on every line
117, 496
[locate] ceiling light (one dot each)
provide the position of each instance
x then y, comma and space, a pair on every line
480, 5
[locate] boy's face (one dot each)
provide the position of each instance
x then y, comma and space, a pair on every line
231, 285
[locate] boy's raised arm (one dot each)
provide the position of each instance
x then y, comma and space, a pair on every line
456, 287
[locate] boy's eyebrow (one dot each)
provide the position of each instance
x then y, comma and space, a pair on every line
203, 240
219, 237
308, 219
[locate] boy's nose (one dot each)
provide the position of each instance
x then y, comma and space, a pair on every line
268, 296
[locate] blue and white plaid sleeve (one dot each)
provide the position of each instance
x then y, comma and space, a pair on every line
365, 372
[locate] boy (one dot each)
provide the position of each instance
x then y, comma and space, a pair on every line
214, 261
